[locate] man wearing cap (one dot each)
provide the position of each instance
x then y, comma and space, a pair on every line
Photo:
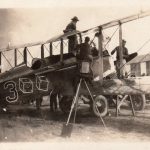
72, 39
125, 56
85, 50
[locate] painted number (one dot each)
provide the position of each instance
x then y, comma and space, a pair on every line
11, 86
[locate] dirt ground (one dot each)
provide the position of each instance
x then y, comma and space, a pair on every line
24, 124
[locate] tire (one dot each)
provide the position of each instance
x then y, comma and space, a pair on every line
102, 105
139, 102
65, 104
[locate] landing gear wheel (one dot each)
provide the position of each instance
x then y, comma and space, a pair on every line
102, 105
65, 103
139, 102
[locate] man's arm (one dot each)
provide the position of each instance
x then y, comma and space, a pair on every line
113, 51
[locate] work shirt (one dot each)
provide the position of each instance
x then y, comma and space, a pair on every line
72, 39
124, 52
70, 27
84, 51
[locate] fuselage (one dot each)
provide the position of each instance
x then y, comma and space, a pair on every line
23, 82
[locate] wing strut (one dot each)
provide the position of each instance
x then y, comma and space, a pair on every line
100, 48
120, 71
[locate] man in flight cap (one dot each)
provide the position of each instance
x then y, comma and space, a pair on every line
72, 39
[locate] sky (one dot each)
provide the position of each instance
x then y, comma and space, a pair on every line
26, 21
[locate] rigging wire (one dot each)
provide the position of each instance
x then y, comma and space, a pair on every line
23, 56
29, 53
7, 60
138, 51
111, 37
46, 48
143, 45
135, 65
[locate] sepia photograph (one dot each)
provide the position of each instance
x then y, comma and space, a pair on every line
74, 74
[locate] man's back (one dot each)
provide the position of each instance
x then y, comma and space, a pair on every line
84, 50
70, 27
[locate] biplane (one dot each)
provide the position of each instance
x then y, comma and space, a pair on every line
60, 74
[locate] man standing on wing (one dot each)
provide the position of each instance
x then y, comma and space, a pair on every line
72, 43
125, 56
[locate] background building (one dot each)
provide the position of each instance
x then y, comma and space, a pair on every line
139, 66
